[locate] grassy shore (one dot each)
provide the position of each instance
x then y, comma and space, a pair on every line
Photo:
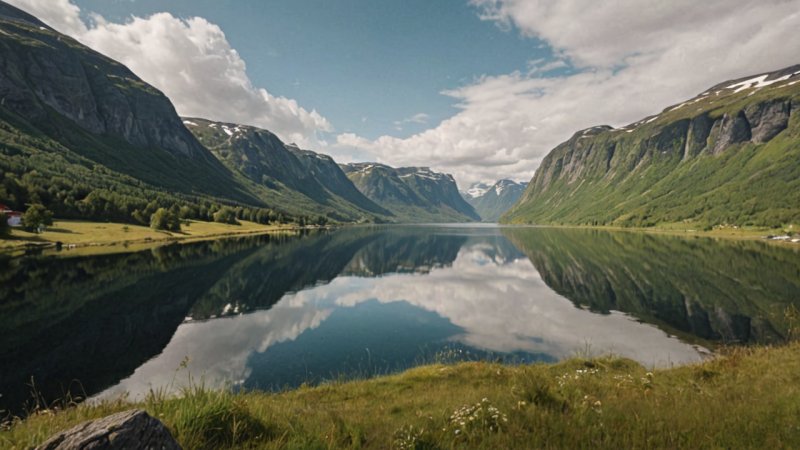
81, 237
745, 398
681, 229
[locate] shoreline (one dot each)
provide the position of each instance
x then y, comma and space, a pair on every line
739, 234
76, 237
140, 237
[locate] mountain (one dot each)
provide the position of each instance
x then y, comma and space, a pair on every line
299, 180
62, 97
412, 194
728, 156
491, 202
82, 134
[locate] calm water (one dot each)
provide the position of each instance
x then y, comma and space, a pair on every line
275, 311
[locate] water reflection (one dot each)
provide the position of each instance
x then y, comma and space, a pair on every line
277, 311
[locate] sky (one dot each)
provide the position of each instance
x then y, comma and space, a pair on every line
481, 89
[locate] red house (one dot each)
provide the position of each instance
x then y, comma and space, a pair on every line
14, 217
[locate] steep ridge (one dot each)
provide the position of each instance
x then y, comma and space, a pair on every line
727, 156
286, 175
412, 194
491, 202
86, 137
62, 93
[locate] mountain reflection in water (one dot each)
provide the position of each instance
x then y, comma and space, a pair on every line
273, 312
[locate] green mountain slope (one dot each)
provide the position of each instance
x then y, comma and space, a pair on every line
412, 194
294, 179
83, 135
729, 156
491, 202
55, 89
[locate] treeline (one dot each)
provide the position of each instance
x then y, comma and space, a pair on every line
75, 188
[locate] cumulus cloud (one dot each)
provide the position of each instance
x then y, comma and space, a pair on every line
193, 63
630, 59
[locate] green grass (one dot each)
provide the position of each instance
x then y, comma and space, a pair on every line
746, 398
104, 237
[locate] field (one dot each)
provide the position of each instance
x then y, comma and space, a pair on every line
104, 237
745, 398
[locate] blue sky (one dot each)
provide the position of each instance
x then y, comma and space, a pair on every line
362, 80
363, 64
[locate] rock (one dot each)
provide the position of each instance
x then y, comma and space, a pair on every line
731, 130
697, 138
130, 430
767, 119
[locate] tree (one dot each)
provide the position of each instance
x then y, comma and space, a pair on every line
226, 215
5, 228
139, 217
37, 217
163, 219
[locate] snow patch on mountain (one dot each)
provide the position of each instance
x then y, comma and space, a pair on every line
757, 82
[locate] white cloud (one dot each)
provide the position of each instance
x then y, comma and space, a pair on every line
633, 57
193, 63
59, 14
419, 118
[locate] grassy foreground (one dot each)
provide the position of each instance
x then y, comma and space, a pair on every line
103, 236
746, 398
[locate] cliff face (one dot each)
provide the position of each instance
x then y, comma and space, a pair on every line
412, 194
43, 70
727, 156
61, 97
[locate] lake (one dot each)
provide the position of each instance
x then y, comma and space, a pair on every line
276, 311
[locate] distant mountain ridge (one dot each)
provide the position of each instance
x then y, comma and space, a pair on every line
728, 156
491, 202
287, 174
82, 134
412, 194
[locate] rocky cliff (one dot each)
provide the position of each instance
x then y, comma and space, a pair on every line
61, 95
728, 155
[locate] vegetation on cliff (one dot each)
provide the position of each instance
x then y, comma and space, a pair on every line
728, 156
